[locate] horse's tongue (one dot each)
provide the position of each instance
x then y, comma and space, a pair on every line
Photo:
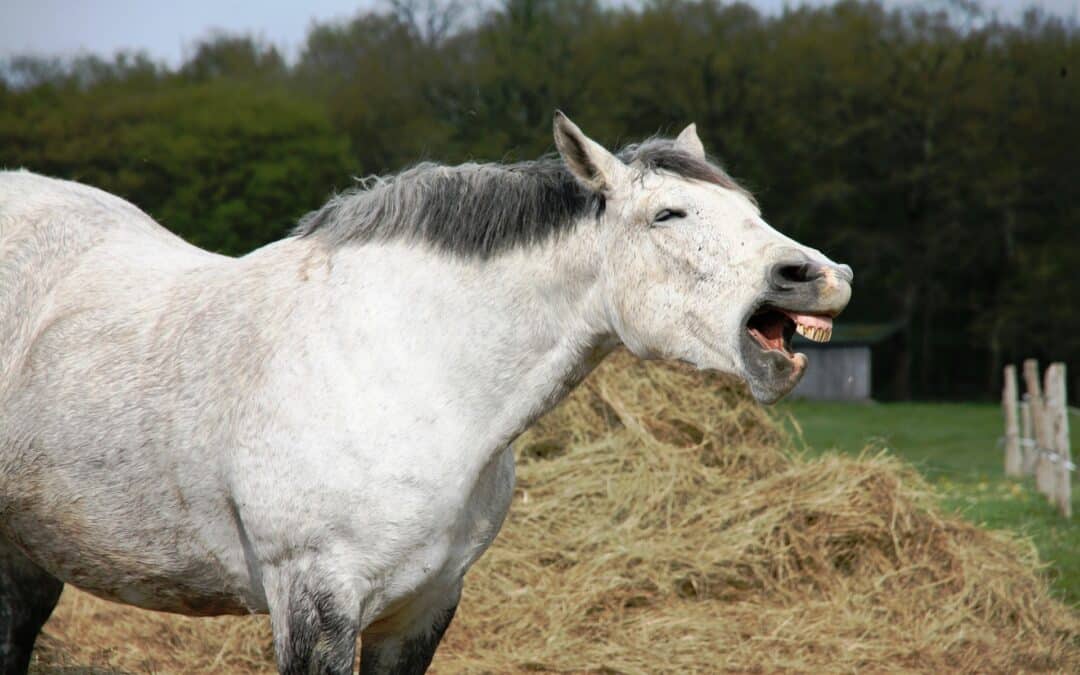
809, 320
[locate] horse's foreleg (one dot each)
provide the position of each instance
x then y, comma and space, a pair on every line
314, 629
409, 649
27, 597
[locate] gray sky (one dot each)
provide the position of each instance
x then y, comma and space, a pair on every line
166, 30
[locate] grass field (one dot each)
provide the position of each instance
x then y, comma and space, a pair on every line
956, 447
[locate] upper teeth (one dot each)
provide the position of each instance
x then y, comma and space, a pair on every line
813, 333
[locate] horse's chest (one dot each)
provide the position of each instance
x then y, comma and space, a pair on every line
451, 545
485, 510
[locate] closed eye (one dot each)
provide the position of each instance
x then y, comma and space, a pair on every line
669, 214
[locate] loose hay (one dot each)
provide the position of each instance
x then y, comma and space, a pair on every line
660, 525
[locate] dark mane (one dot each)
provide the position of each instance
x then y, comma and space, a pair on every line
479, 210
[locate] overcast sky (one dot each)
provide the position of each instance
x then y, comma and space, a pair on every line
166, 29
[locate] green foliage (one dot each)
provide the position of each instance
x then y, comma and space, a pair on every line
226, 165
935, 152
239, 58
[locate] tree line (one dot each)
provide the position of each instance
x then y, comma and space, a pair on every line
938, 152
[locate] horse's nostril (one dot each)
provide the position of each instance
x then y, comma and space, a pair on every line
798, 273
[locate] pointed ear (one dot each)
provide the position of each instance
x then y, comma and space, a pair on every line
689, 142
593, 166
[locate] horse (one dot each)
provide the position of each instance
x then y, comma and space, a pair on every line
322, 429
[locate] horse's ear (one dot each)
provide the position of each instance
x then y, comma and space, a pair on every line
591, 163
689, 142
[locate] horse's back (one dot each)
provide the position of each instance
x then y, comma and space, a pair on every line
32, 202
47, 229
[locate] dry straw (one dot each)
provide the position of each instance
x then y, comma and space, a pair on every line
660, 525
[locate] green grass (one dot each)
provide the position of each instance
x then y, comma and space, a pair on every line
956, 447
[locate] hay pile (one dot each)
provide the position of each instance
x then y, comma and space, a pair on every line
660, 526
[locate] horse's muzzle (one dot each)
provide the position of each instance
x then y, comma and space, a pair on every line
809, 286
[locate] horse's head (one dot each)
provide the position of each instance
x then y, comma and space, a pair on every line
690, 269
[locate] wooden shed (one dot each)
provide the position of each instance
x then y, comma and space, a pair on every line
840, 370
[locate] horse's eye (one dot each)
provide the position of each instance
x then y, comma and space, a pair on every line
669, 214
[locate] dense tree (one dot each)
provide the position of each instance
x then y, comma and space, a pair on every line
224, 56
934, 150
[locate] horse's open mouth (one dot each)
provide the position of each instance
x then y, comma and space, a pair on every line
772, 328
790, 305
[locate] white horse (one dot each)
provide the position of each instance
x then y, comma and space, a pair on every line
321, 429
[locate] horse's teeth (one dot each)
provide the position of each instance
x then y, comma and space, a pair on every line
815, 333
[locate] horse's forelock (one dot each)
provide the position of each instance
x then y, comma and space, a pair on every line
661, 154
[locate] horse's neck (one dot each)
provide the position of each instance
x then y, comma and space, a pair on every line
505, 338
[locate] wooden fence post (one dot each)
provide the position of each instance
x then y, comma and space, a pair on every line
1044, 481
1058, 416
1027, 440
1013, 459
